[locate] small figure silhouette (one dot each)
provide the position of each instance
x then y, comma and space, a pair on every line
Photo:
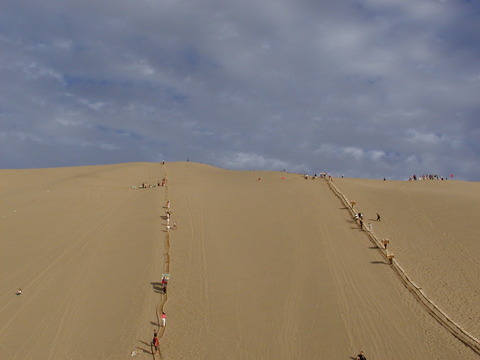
361, 356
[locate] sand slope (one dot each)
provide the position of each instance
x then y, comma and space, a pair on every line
276, 269
269, 269
83, 246
433, 229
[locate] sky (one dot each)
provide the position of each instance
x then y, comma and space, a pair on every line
364, 88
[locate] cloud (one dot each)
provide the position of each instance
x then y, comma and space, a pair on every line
251, 161
357, 87
350, 152
416, 136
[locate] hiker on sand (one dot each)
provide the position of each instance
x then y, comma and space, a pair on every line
378, 217
155, 341
164, 286
164, 319
361, 356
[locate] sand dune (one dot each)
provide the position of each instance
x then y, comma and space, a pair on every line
260, 269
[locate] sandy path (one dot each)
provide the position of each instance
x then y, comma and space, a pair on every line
167, 225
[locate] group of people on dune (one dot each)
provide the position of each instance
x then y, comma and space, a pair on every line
414, 177
146, 185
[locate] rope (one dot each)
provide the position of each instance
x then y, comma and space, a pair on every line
166, 270
443, 318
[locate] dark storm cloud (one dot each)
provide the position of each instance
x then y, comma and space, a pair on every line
367, 88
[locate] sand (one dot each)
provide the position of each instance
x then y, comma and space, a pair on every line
433, 230
260, 269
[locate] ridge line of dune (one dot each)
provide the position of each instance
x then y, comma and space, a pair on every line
433, 309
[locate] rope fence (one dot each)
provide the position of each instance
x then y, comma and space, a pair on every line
443, 318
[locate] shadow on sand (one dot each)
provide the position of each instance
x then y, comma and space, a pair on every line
158, 287
147, 348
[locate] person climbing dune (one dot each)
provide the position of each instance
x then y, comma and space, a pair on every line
155, 341
361, 356
164, 319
